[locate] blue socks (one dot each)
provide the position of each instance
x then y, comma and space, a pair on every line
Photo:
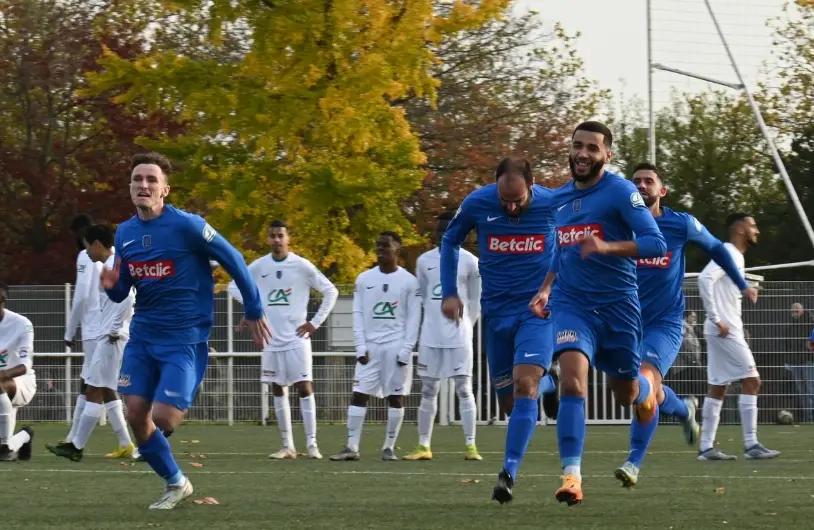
640, 436
644, 390
672, 405
571, 430
158, 453
521, 428
547, 385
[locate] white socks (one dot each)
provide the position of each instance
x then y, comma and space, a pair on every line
427, 410
18, 440
467, 407
394, 419
283, 412
115, 413
77, 413
308, 409
6, 419
87, 422
747, 405
356, 417
709, 422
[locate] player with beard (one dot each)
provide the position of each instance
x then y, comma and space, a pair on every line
729, 358
514, 220
662, 302
602, 225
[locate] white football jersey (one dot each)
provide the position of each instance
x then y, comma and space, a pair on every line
85, 305
386, 308
285, 288
437, 331
721, 297
16, 341
114, 317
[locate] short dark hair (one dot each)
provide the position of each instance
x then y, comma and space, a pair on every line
647, 166
596, 127
514, 165
277, 223
443, 221
4, 290
152, 158
80, 222
736, 217
101, 233
394, 236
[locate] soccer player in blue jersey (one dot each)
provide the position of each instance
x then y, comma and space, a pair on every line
602, 224
662, 302
164, 252
513, 218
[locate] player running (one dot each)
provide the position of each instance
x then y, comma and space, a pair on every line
386, 316
602, 224
285, 281
102, 374
729, 358
445, 346
17, 382
514, 221
662, 302
164, 253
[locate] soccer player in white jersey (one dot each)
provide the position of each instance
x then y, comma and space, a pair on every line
17, 382
285, 281
102, 374
84, 312
729, 358
386, 316
445, 346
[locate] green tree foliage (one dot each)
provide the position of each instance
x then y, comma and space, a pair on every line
302, 119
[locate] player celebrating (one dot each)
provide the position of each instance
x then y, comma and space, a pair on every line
164, 252
17, 382
285, 281
84, 312
386, 316
514, 221
729, 358
602, 225
662, 302
445, 346
103, 372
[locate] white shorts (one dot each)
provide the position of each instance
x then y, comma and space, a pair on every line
287, 367
26, 388
88, 348
439, 363
382, 376
729, 359
105, 363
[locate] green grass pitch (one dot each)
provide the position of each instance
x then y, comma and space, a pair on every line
674, 491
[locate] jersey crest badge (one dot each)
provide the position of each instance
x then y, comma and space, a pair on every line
147, 241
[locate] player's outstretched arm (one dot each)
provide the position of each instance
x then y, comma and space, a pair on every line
454, 236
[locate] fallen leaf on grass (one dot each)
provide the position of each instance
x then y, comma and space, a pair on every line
196, 441
206, 500
196, 464
469, 481
720, 491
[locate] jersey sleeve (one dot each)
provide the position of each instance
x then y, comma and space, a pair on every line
25, 345
216, 246
699, 235
412, 320
81, 292
233, 289
122, 309
474, 289
359, 320
328, 291
649, 239
706, 288
454, 236
420, 268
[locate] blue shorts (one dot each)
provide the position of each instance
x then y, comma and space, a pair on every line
661, 344
162, 372
524, 338
609, 336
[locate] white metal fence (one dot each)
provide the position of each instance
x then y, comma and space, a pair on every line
231, 391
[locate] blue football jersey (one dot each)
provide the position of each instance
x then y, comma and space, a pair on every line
167, 260
660, 278
514, 252
612, 210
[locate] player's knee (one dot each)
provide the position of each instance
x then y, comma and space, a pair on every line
463, 387
751, 385
573, 386
277, 390
624, 392
526, 387
358, 399
430, 388
395, 402
304, 388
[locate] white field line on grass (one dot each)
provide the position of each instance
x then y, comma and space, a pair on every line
23, 469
